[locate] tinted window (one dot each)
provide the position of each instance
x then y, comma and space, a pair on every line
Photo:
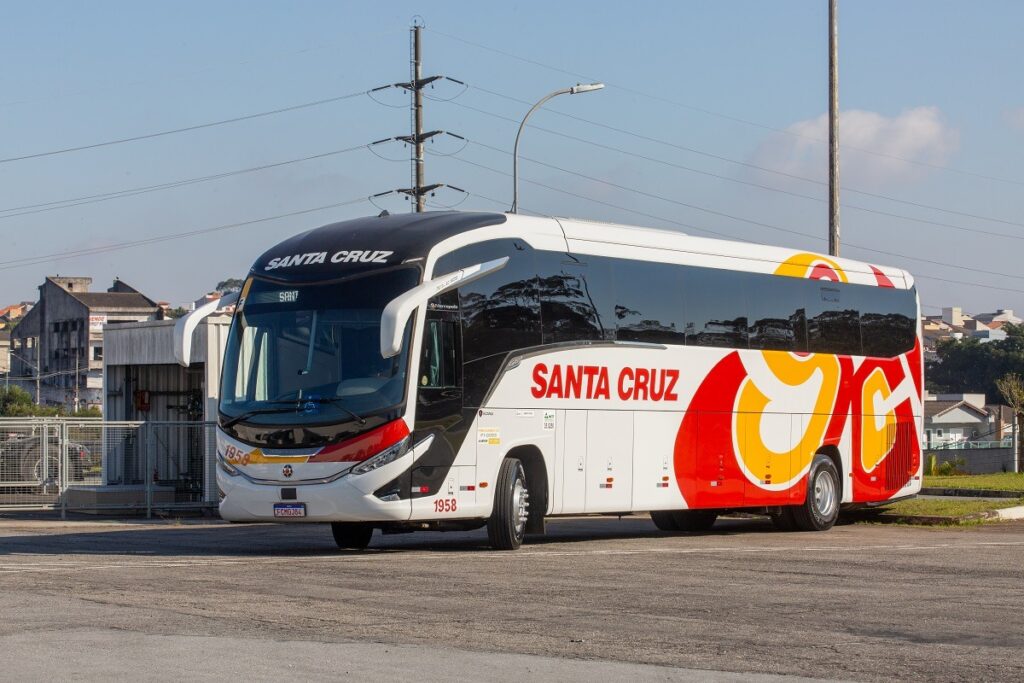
500, 312
778, 320
888, 321
648, 302
576, 298
833, 318
716, 307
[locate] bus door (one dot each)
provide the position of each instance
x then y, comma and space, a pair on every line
448, 478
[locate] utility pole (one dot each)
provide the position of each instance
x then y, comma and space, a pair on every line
415, 86
419, 189
833, 131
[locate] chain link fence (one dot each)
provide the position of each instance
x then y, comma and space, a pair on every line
94, 466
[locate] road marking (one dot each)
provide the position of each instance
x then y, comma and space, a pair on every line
392, 554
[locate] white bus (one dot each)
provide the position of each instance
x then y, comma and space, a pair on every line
451, 371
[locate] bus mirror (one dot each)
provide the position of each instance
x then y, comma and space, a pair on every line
186, 325
396, 314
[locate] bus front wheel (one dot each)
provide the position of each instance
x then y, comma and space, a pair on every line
350, 536
507, 524
824, 492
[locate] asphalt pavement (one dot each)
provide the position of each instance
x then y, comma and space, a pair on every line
597, 597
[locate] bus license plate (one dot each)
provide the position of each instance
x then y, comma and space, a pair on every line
289, 509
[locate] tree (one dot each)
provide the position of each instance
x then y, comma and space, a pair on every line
232, 284
1011, 386
967, 365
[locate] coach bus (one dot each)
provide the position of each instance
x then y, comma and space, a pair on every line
453, 370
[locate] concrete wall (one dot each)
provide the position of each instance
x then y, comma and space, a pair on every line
977, 460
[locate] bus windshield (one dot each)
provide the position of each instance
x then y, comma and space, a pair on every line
309, 354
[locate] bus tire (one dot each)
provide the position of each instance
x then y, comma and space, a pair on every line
783, 519
351, 536
664, 520
821, 508
694, 520
506, 526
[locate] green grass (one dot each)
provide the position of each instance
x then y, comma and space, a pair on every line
947, 507
1004, 481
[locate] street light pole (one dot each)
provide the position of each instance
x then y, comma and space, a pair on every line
574, 90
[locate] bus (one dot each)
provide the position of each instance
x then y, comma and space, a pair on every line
457, 370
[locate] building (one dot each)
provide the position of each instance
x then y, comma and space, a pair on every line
13, 312
5, 352
960, 420
954, 323
60, 340
143, 381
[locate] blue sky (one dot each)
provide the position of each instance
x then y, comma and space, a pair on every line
728, 96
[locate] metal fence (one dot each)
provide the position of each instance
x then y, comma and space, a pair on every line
93, 465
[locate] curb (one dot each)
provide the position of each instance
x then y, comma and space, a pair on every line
937, 520
971, 493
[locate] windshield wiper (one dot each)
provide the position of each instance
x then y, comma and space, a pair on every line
260, 411
293, 405
336, 401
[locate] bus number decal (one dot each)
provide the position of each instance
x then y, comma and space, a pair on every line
446, 505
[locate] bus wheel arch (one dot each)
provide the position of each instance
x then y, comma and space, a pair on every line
536, 471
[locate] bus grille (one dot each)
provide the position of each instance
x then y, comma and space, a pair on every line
900, 464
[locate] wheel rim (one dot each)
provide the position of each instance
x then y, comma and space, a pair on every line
824, 494
520, 505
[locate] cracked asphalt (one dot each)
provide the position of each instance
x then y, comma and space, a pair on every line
596, 597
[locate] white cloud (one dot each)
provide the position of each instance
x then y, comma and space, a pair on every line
917, 135
1015, 118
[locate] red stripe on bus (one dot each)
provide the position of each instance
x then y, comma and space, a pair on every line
365, 445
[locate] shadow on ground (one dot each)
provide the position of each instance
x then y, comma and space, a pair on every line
219, 539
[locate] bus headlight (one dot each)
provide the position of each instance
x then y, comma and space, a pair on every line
227, 467
383, 458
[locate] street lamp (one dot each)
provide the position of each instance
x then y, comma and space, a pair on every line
574, 90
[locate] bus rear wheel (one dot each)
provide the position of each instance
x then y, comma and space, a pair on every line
824, 492
507, 524
694, 520
351, 536
664, 520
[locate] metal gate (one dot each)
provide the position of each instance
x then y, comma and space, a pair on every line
93, 465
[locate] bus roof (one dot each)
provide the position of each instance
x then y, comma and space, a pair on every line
370, 243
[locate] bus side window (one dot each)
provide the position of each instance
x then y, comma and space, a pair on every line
439, 364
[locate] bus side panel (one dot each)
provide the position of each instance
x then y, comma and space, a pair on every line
654, 486
609, 469
574, 462
498, 433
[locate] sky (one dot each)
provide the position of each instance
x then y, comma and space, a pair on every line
713, 122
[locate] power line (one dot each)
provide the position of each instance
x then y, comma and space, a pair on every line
131, 192
211, 124
745, 164
737, 218
746, 220
729, 117
34, 260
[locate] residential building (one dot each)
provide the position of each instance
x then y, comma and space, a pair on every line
60, 340
963, 420
5, 352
